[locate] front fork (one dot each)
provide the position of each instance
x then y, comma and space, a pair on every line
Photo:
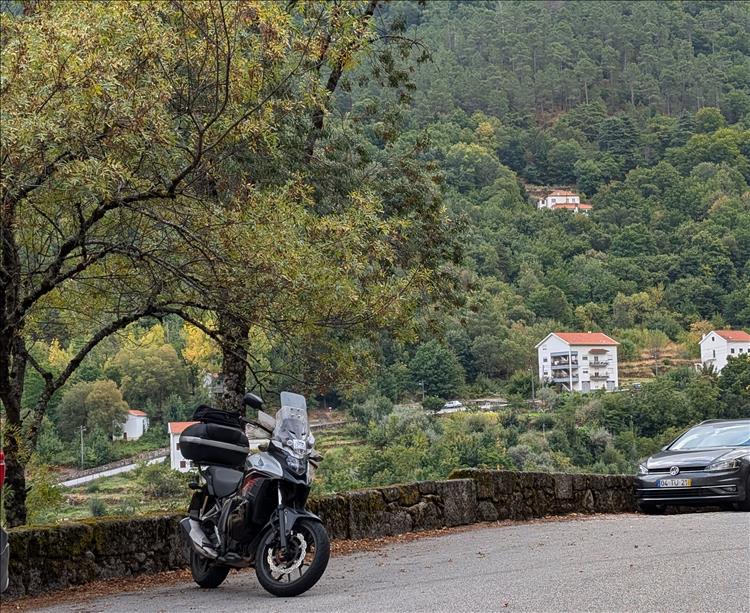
282, 522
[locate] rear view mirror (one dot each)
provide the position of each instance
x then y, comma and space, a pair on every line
252, 401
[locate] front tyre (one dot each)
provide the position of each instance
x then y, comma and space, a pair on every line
651, 509
745, 505
309, 548
207, 573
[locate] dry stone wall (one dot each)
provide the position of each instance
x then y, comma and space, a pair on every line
46, 558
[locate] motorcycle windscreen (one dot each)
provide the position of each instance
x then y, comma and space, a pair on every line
291, 419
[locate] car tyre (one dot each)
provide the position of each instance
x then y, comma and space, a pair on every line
651, 509
745, 504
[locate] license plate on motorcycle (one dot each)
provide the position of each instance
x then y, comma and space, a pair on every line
674, 483
298, 445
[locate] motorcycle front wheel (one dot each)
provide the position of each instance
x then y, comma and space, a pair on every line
309, 550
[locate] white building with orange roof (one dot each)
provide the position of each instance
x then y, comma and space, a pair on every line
719, 345
135, 426
564, 200
176, 459
579, 361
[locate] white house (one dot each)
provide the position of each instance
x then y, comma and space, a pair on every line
579, 361
177, 461
564, 200
135, 426
719, 345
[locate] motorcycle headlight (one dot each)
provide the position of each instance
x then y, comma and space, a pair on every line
296, 465
732, 464
642, 470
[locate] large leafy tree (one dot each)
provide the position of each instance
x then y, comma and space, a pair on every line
111, 117
97, 405
142, 150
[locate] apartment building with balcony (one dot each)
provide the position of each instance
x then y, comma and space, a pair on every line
578, 361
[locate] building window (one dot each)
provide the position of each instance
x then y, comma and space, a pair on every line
182, 464
741, 350
585, 372
178, 446
732, 349
713, 339
585, 358
714, 351
544, 360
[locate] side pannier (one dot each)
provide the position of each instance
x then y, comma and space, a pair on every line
214, 444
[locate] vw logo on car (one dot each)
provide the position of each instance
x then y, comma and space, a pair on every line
675, 470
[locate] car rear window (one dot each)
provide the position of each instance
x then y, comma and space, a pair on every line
714, 435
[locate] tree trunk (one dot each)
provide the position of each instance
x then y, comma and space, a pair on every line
12, 367
15, 482
234, 361
14, 439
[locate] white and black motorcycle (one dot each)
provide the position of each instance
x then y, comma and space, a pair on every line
248, 510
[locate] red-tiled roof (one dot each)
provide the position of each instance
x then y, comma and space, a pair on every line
572, 206
586, 338
585, 205
562, 192
733, 335
176, 427
137, 413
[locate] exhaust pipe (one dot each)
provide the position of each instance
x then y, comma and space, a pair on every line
197, 538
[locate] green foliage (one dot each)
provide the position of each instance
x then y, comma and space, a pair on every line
433, 403
45, 497
97, 449
437, 368
734, 388
373, 409
97, 405
151, 374
97, 507
160, 481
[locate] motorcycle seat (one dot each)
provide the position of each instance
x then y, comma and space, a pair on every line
222, 480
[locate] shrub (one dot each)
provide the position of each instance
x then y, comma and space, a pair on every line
44, 497
372, 409
160, 481
433, 403
97, 507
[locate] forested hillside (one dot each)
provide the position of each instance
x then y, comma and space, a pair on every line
643, 109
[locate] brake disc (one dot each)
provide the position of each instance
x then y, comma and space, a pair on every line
288, 568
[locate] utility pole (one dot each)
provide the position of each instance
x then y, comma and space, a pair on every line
83, 429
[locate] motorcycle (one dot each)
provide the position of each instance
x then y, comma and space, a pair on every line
248, 510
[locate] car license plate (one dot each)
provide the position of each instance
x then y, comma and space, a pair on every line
674, 483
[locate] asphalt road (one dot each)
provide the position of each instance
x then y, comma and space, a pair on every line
694, 562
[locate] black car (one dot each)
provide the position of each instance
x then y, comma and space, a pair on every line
708, 465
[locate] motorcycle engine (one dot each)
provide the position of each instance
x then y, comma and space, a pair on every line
237, 526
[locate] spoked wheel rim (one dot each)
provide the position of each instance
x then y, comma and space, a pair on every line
289, 571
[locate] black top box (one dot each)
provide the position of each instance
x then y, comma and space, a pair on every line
214, 444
